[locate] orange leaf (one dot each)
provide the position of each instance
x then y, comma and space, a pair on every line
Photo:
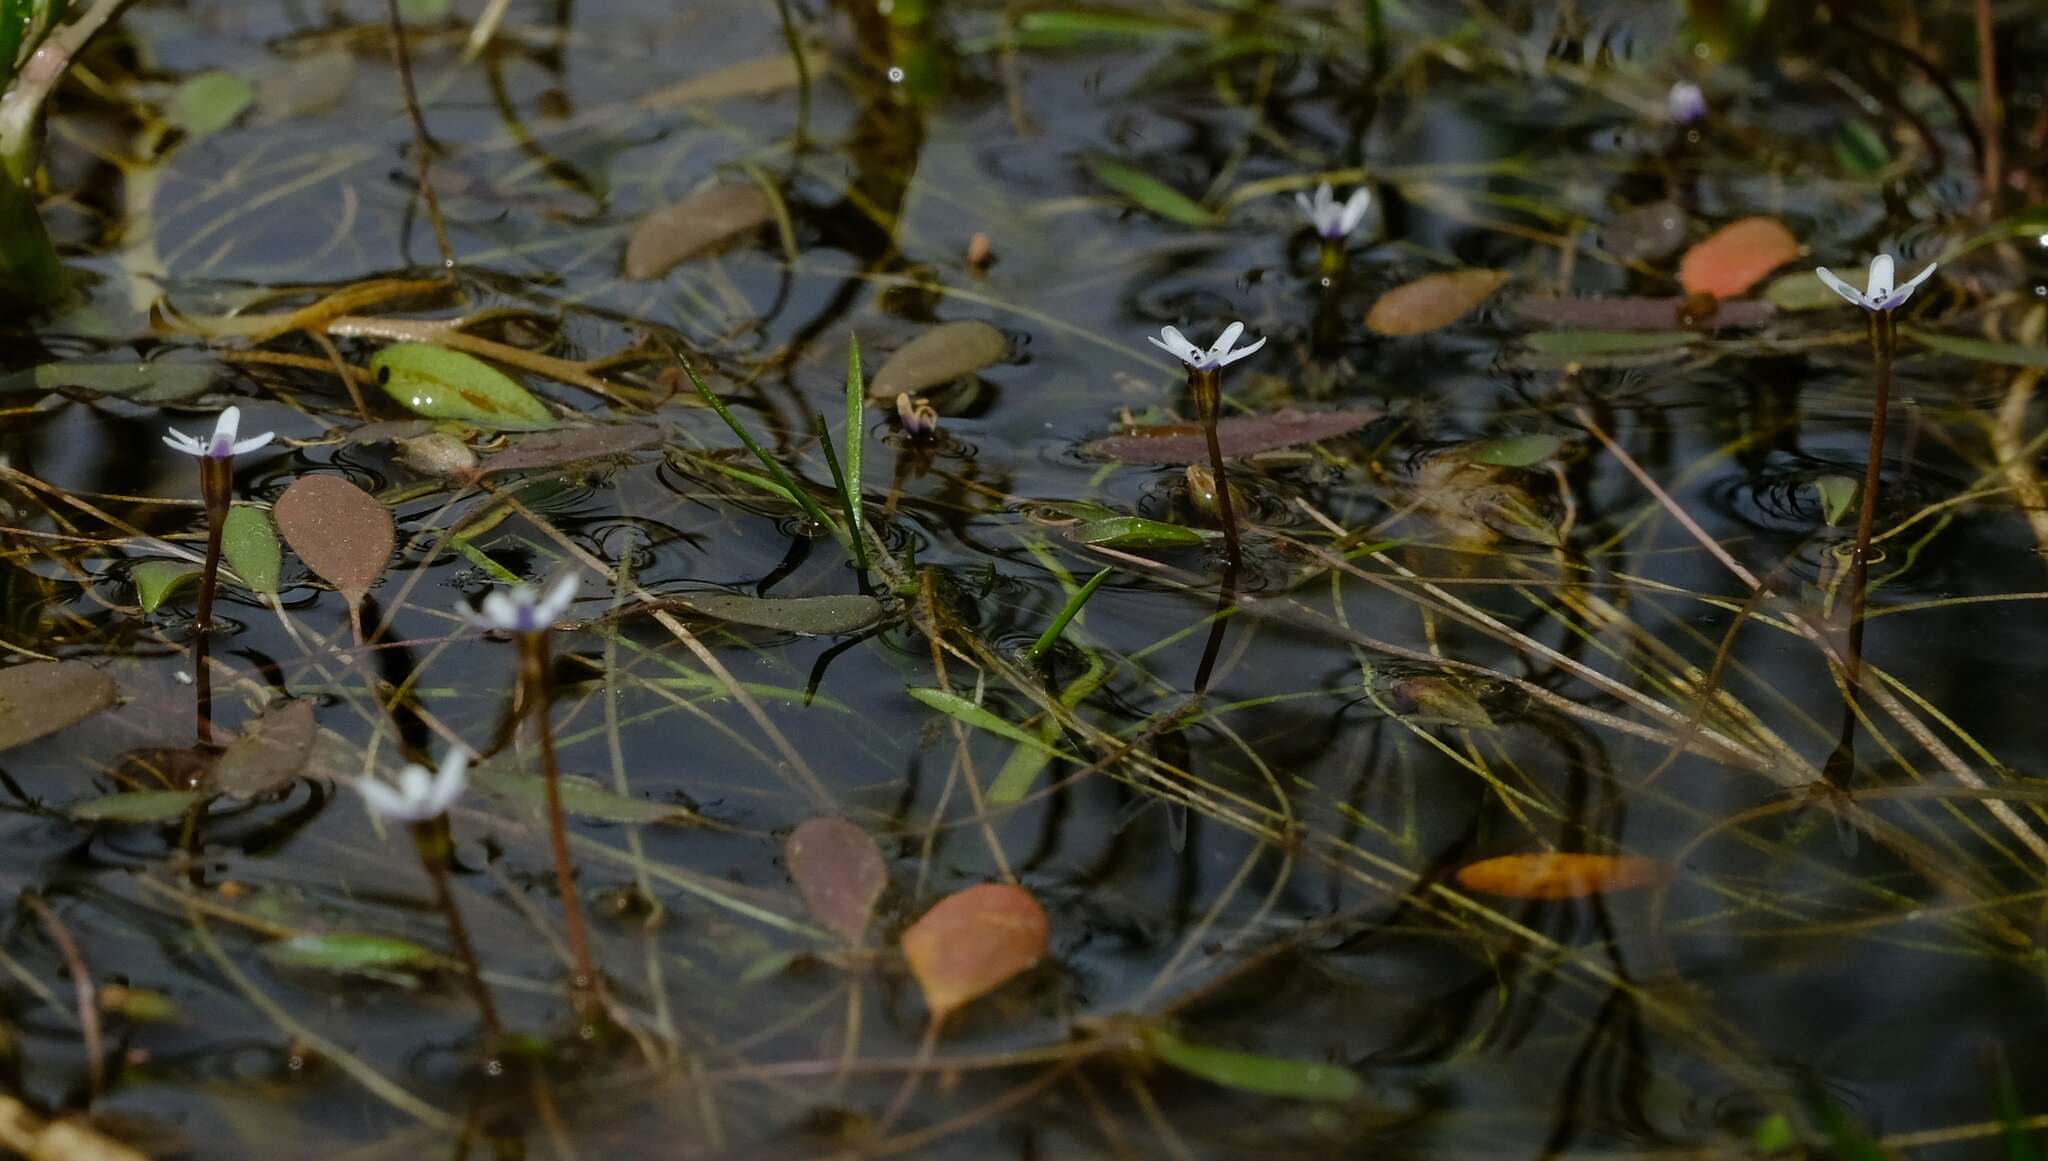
972, 941
1727, 262
1433, 301
1560, 875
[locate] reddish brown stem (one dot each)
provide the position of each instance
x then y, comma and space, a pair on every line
586, 990
435, 846
1207, 388
216, 490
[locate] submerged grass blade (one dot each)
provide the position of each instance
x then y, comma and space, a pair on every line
1066, 615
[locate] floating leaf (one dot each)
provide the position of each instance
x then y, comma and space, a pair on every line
313, 83
813, 616
1514, 451
209, 102
1982, 350
937, 357
1727, 262
1837, 496
1133, 532
953, 705
1243, 435
1440, 700
1640, 314
156, 580
675, 234
342, 533
348, 953
248, 542
1433, 301
436, 453
549, 449
1641, 233
444, 384
1801, 290
1150, 193
583, 797
136, 806
1247, 1072
761, 77
159, 382
972, 942
42, 697
1558, 875
1584, 343
839, 871
271, 751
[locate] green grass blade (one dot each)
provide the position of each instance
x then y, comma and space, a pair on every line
775, 470
1066, 615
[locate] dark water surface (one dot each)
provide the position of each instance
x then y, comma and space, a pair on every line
1278, 874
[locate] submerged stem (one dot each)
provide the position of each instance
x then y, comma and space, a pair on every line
216, 489
435, 845
587, 988
1866, 505
1207, 388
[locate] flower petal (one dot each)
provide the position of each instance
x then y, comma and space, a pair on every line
1240, 353
383, 800
1228, 340
549, 609
179, 441
1879, 287
242, 447
1842, 288
1176, 344
450, 780
1308, 208
1354, 209
1900, 295
227, 425
499, 610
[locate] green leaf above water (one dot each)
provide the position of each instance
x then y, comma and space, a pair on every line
349, 953
248, 542
136, 806
156, 580
1150, 193
1133, 532
1249, 1072
209, 102
1837, 496
443, 384
158, 382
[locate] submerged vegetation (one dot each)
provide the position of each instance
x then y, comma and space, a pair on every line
847, 696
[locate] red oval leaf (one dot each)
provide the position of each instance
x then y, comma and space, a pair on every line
972, 942
1727, 262
1183, 443
342, 533
839, 871
1561, 875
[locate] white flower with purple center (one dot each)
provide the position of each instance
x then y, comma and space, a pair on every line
1210, 359
1334, 221
419, 794
1879, 294
524, 609
222, 443
1686, 103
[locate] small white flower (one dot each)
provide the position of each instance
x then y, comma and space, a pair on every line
1176, 344
223, 443
523, 609
420, 794
1686, 104
1332, 221
920, 420
1880, 294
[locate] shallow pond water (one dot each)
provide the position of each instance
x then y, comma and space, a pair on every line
1571, 580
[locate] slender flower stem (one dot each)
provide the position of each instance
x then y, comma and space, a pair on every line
435, 845
586, 990
1207, 388
216, 489
1867, 500
1330, 259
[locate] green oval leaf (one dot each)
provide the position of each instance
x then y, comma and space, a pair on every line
156, 580
1248, 1072
1515, 451
1982, 350
345, 952
136, 806
816, 616
248, 542
209, 102
1133, 532
1150, 193
159, 382
444, 384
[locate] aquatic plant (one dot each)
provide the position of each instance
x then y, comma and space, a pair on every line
1205, 382
216, 454
1333, 221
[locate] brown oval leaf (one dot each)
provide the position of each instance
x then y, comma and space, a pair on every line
1638, 314
342, 533
973, 941
673, 235
43, 697
1559, 875
270, 752
937, 357
1432, 302
550, 449
1727, 262
1655, 230
760, 77
1243, 435
839, 871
